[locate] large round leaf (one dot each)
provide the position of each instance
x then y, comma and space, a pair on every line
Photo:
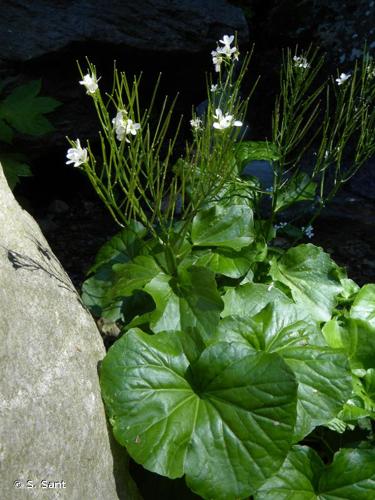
323, 375
225, 261
362, 343
231, 227
249, 299
96, 290
189, 301
310, 274
303, 476
225, 420
297, 478
364, 304
122, 247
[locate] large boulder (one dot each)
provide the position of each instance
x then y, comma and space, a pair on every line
340, 29
45, 38
32, 29
53, 425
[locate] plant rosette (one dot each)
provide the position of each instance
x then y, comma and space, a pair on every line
234, 353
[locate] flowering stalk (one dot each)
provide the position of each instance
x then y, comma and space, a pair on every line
209, 161
348, 116
135, 178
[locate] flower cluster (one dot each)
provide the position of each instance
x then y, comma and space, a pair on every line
196, 123
77, 155
301, 62
309, 231
280, 225
224, 53
124, 126
90, 82
342, 78
225, 121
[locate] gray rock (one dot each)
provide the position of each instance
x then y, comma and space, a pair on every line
339, 28
53, 426
32, 29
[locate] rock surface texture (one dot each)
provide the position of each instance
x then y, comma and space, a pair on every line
32, 29
53, 426
340, 28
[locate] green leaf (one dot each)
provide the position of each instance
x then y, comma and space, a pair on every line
228, 262
369, 383
133, 275
248, 151
14, 167
324, 385
362, 402
364, 304
297, 479
298, 188
356, 337
24, 110
225, 421
95, 295
360, 343
96, 290
249, 299
220, 226
123, 247
190, 301
349, 287
323, 375
309, 273
351, 476
6, 133
354, 412
334, 333
224, 261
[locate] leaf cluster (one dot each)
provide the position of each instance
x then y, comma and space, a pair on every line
22, 111
222, 368
234, 354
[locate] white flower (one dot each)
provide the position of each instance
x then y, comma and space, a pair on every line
217, 58
227, 50
90, 82
77, 155
301, 62
227, 40
225, 121
124, 126
342, 78
196, 123
224, 53
132, 127
119, 124
213, 87
309, 231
